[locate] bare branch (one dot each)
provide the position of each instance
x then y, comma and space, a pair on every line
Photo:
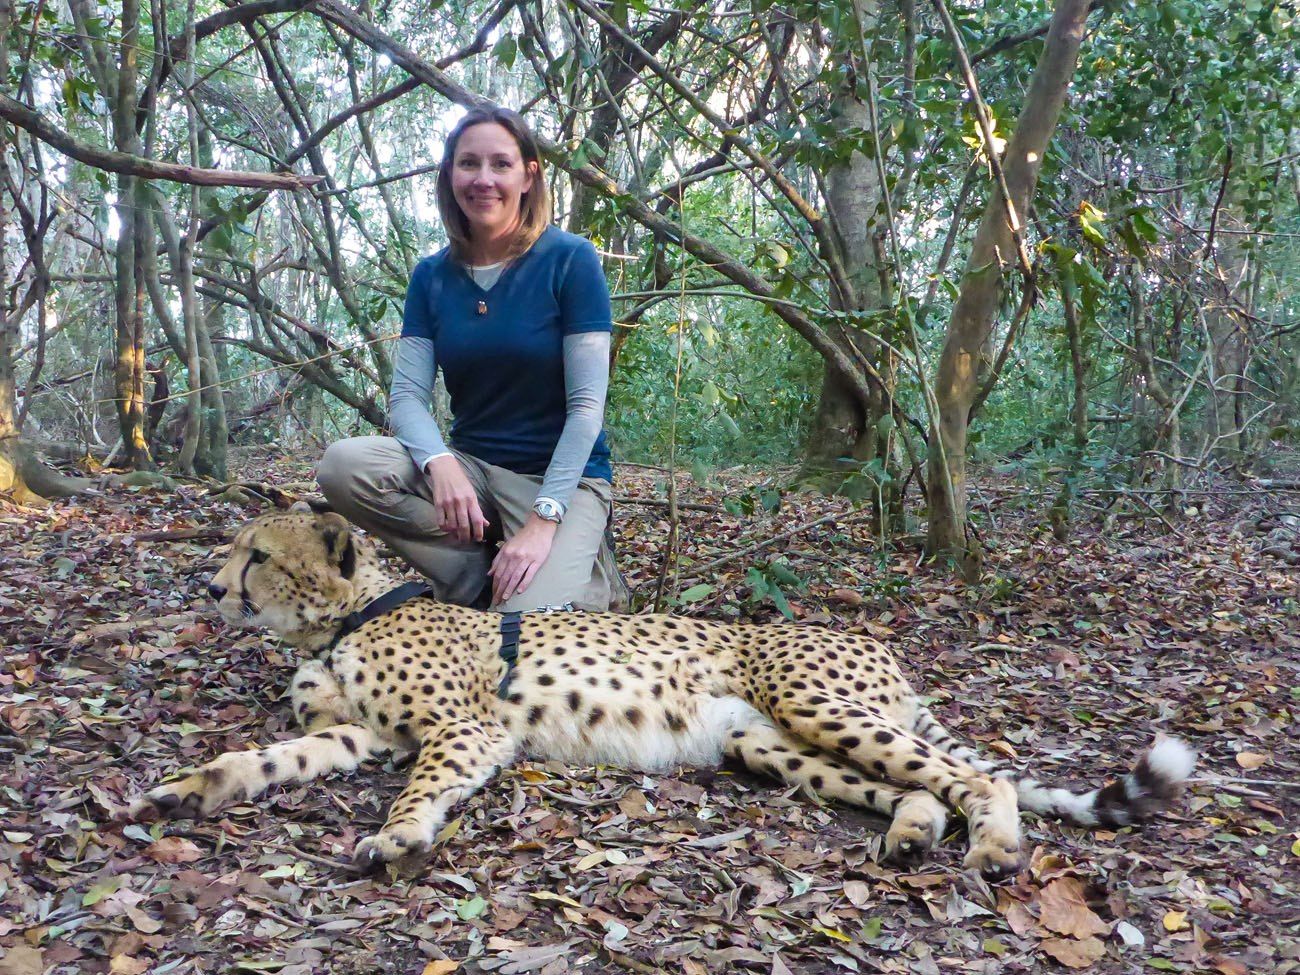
132, 165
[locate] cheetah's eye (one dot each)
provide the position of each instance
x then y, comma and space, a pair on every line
257, 556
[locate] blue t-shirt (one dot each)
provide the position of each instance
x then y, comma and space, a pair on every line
501, 351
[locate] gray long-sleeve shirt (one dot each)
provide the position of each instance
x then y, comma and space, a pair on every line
586, 382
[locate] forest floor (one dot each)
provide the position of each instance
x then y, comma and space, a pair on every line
1067, 658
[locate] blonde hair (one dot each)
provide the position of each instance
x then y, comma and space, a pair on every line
534, 205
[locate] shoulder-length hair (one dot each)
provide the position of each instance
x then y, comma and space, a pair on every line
534, 206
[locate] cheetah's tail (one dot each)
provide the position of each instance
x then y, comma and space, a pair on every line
1154, 782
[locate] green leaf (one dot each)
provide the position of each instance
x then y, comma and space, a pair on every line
1145, 227
778, 598
107, 886
782, 574
471, 908
1092, 222
696, 593
505, 51
776, 253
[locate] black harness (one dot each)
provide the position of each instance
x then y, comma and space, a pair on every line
510, 624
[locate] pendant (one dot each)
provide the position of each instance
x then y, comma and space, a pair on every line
482, 307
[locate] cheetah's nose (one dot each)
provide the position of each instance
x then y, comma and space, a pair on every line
216, 591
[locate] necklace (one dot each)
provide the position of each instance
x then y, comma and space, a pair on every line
474, 269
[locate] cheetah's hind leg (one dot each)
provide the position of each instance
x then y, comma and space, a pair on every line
918, 818
870, 740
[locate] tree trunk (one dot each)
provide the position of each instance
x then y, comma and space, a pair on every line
212, 458
1228, 341
846, 432
185, 277
1167, 432
1059, 515
132, 204
22, 477
1079, 364
965, 354
10, 473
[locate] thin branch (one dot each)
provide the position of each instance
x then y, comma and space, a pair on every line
1218, 203
839, 274
128, 164
1015, 40
990, 147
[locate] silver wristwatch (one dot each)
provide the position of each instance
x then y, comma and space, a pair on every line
548, 510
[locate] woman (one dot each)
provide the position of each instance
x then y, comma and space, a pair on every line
516, 313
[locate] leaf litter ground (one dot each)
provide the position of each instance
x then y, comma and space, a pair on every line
1068, 657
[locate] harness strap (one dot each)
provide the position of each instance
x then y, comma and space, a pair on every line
510, 624
509, 650
378, 607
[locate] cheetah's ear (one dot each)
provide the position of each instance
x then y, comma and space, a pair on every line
337, 535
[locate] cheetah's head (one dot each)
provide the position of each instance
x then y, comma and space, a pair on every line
293, 573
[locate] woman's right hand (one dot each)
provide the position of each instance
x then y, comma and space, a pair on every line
454, 498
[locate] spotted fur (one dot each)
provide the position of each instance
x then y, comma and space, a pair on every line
828, 711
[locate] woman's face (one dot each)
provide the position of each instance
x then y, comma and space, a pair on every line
488, 179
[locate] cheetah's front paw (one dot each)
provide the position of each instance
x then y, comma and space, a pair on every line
182, 799
994, 862
918, 825
389, 844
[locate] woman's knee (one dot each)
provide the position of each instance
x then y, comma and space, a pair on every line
339, 471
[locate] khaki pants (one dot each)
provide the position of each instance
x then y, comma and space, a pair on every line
373, 482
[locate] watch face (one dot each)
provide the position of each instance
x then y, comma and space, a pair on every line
548, 510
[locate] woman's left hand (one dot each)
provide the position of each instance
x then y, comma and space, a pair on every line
520, 557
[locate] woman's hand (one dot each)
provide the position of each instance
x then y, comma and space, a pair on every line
520, 557
454, 498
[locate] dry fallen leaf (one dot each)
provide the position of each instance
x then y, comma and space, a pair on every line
1175, 921
173, 849
848, 597
1074, 954
857, 892
440, 967
1063, 909
1228, 966
1251, 760
128, 965
20, 959
1003, 748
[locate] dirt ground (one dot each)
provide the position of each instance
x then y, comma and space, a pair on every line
1066, 658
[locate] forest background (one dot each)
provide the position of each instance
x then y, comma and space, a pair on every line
211, 212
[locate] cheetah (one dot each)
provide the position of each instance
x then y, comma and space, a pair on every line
827, 711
